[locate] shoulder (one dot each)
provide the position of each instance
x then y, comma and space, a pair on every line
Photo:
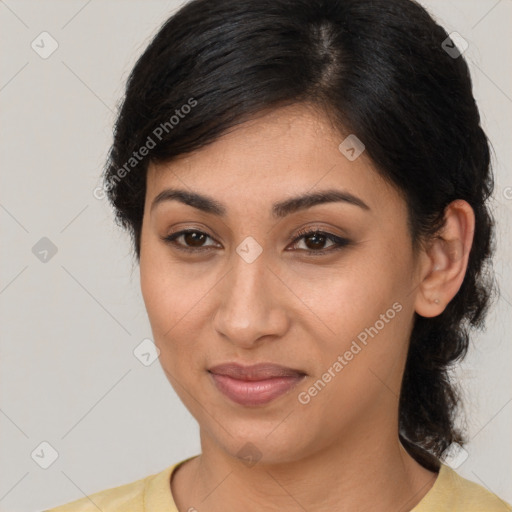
451, 492
130, 497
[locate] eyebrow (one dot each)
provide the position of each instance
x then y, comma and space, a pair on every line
280, 209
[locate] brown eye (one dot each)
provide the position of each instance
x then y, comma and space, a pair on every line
315, 240
193, 239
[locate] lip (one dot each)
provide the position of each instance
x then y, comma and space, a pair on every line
256, 384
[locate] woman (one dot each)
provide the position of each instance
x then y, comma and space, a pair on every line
306, 184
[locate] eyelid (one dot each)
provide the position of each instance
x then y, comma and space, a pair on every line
338, 242
170, 239
307, 230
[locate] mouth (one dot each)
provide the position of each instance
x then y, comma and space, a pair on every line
254, 385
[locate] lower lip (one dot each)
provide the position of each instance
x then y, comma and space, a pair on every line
258, 392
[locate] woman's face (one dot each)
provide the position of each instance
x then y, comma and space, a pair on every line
254, 290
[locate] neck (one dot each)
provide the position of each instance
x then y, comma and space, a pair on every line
367, 470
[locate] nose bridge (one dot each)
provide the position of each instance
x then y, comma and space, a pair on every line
247, 309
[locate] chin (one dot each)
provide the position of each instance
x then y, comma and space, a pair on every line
265, 444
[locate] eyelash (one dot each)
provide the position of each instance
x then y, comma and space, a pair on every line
339, 243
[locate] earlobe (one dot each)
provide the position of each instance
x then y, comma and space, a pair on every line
445, 260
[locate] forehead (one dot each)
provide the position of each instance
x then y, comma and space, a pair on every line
279, 153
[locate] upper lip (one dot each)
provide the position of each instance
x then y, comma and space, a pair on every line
260, 371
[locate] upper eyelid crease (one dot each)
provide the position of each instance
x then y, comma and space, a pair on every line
338, 241
279, 210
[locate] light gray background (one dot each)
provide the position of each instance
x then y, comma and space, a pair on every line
69, 326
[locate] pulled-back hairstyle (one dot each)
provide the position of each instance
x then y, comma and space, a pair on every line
379, 69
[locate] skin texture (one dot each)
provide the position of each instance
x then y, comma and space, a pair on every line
340, 451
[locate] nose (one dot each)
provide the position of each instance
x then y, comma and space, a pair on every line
251, 303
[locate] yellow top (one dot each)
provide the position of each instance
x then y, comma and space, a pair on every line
450, 493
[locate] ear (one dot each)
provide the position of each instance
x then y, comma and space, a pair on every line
444, 260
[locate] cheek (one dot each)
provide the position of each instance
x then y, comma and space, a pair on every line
171, 334
341, 301
175, 303
362, 313
160, 288
360, 365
